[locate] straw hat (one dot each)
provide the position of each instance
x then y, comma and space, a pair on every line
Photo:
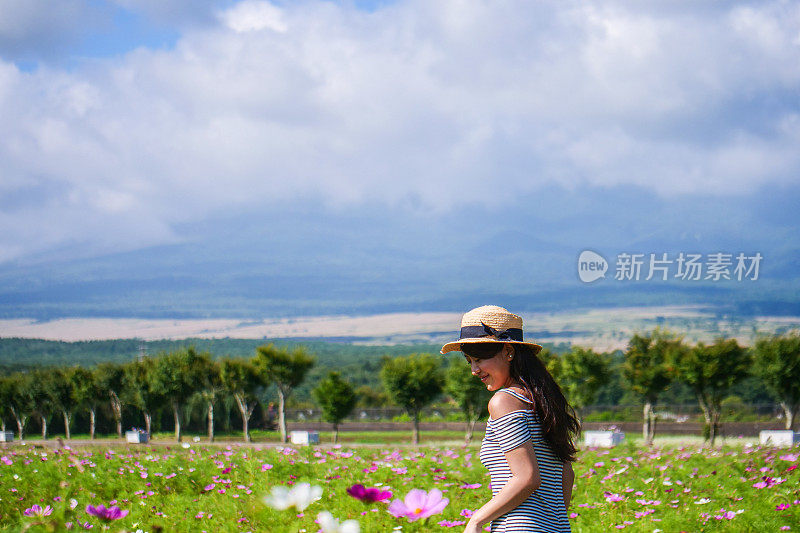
489, 323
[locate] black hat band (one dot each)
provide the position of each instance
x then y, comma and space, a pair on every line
472, 332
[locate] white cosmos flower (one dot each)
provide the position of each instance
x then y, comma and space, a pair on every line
300, 496
330, 525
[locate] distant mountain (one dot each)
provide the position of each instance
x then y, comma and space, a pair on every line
521, 253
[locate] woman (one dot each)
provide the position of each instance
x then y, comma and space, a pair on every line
528, 447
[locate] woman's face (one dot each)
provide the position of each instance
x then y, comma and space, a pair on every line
494, 372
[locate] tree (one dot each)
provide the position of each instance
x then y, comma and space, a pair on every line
336, 398
551, 362
109, 379
581, 372
139, 390
61, 386
469, 394
370, 397
6, 391
647, 372
710, 371
210, 390
86, 394
177, 376
43, 383
777, 363
241, 379
286, 370
21, 400
413, 382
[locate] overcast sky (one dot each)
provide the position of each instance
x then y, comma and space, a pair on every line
122, 120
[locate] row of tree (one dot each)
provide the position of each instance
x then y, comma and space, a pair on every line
171, 379
654, 362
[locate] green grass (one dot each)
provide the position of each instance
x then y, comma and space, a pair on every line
169, 488
389, 437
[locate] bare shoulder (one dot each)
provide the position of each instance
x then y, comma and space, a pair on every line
503, 403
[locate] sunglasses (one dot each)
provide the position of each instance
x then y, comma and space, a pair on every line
482, 350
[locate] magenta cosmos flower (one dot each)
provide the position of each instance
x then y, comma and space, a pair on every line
38, 510
371, 494
419, 504
103, 513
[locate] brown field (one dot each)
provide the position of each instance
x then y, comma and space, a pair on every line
602, 329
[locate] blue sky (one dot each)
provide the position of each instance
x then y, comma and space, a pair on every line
128, 124
69, 33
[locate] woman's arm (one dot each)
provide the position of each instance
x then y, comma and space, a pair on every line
524, 480
524, 471
567, 481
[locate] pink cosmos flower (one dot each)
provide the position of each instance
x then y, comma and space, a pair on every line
108, 514
782, 507
451, 523
419, 504
652, 502
38, 511
371, 494
613, 497
6, 460
470, 486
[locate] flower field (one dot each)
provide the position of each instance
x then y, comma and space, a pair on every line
289, 489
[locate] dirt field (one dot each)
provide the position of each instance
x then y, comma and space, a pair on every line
601, 329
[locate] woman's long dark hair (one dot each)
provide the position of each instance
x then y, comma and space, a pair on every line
559, 423
557, 417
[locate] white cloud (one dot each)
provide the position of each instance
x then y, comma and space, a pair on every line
254, 16
410, 104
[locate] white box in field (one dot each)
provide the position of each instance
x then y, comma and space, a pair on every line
304, 437
136, 437
6, 436
778, 437
602, 439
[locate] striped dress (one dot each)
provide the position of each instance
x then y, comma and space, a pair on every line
544, 510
